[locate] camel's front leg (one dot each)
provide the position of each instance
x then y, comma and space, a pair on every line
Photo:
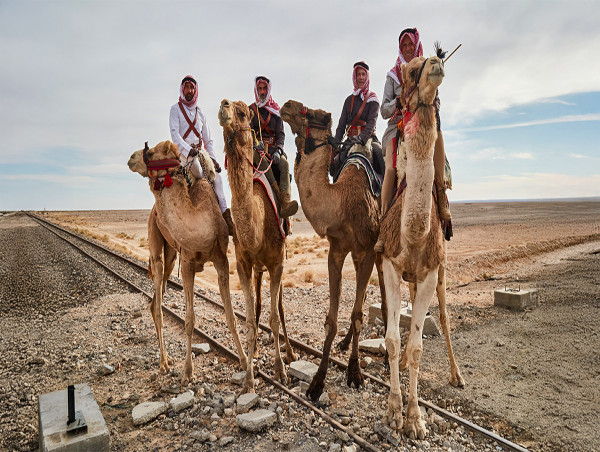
379, 266
414, 426
188, 271
222, 266
335, 263
244, 269
364, 270
275, 273
156, 243
392, 343
456, 378
345, 343
412, 290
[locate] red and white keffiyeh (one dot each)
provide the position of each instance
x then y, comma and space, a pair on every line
363, 90
413, 35
191, 103
268, 103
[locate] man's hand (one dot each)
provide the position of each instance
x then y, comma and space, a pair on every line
398, 103
275, 152
333, 141
194, 151
217, 166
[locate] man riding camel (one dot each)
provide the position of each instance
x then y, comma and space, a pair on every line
268, 128
189, 130
358, 118
409, 47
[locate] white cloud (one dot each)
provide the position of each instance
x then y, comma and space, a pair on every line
562, 119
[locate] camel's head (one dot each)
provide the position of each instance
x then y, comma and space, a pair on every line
235, 119
165, 151
308, 124
422, 77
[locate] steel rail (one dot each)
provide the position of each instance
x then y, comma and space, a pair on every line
300, 345
223, 350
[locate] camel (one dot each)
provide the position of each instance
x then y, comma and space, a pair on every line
414, 246
189, 221
258, 241
346, 213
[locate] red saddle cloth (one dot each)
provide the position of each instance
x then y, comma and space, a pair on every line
262, 180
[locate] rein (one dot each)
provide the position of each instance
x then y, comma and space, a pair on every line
260, 151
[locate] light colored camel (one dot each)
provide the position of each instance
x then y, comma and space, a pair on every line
347, 213
258, 242
415, 249
190, 221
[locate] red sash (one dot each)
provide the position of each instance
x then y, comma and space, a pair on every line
191, 127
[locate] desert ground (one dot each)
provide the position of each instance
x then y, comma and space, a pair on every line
531, 375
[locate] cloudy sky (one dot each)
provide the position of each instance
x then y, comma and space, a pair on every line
85, 83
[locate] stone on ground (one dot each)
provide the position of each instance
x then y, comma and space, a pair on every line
201, 348
145, 412
374, 313
372, 345
238, 378
517, 300
256, 420
246, 401
183, 401
303, 370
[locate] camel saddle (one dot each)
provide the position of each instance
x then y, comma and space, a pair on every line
361, 161
284, 225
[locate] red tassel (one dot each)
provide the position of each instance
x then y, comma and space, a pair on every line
157, 184
168, 180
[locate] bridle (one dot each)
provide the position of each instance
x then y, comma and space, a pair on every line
409, 94
308, 138
255, 147
156, 165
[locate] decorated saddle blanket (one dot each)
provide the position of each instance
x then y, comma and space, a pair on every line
361, 161
262, 180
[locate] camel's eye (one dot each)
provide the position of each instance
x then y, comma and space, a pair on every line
413, 73
241, 114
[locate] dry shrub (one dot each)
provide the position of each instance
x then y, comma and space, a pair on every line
302, 261
123, 235
309, 276
374, 280
296, 251
238, 285
289, 283
292, 270
144, 242
232, 268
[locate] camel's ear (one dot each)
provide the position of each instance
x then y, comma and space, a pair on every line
250, 114
327, 119
173, 149
404, 72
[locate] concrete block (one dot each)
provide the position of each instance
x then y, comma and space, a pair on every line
303, 370
238, 378
256, 420
374, 313
53, 414
517, 300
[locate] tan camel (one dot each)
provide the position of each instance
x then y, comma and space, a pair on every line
258, 242
347, 213
415, 249
190, 221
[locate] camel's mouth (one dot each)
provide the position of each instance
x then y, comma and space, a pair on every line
225, 113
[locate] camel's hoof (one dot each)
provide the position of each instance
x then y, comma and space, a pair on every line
457, 380
355, 375
393, 416
315, 389
414, 428
291, 357
248, 386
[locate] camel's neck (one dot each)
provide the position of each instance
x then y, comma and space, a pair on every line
244, 206
420, 142
192, 227
319, 201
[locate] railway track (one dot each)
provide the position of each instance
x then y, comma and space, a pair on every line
134, 274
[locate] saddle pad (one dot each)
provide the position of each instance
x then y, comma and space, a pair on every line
360, 161
262, 180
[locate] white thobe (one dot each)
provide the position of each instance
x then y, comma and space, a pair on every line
179, 126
